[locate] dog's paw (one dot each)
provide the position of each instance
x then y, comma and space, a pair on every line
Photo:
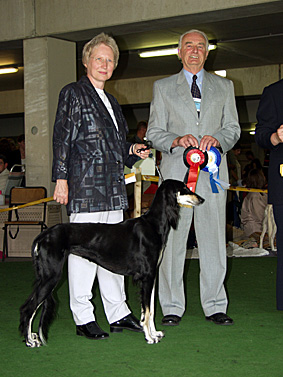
159, 334
154, 337
33, 341
152, 340
148, 336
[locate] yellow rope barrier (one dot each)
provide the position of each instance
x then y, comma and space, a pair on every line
28, 204
238, 188
153, 178
148, 178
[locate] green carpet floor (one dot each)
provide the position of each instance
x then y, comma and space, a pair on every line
251, 348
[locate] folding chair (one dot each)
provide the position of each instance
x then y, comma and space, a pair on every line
15, 179
19, 196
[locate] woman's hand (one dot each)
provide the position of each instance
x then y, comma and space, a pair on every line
140, 150
61, 191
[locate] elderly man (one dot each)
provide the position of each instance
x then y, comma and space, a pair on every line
194, 109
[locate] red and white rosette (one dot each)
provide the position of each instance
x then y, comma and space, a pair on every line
195, 160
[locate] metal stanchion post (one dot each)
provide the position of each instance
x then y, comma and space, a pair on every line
137, 193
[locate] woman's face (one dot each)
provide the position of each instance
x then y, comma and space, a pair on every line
100, 65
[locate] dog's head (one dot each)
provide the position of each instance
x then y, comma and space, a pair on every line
177, 194
184, 196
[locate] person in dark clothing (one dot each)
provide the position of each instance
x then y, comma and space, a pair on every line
140, 133
269, 135
89, 154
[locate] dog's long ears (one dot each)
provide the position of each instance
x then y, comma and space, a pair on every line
172, 209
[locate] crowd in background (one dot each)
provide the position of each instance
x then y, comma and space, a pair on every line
245, 210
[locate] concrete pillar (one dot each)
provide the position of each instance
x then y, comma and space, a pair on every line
49, 65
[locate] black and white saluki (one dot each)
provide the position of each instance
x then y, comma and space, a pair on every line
131, 248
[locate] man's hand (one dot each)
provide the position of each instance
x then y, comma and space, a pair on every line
207, 142
61, 191
185, 141
277, 137
190, 141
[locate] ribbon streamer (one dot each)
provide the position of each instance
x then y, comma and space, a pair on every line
214, 160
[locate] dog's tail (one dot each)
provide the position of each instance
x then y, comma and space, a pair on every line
28, 311
47, 274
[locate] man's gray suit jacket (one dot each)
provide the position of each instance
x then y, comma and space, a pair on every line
173, 113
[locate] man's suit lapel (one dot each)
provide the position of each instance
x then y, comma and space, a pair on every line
207, 94
183, 91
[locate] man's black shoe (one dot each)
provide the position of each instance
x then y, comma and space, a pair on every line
91, 330
130, 322
220, 319
171, 320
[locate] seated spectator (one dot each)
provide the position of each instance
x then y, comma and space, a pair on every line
4, 172
6, 150
235, 175
254, 163
140, 133
18, 155
22, 148
253, 207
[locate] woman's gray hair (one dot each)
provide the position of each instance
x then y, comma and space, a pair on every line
99, 39
194, 31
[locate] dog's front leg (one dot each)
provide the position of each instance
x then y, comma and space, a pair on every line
157, 335
147, 321
146, 327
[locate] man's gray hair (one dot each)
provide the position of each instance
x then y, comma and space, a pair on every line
194, 31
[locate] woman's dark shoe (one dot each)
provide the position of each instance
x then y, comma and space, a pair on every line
130, 322
91, 330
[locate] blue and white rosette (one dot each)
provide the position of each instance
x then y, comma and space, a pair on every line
212, 166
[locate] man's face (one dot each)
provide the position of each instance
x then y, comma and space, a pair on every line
2, 166
193, 52
237, 151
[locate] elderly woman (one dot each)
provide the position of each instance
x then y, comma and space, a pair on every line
89, 153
